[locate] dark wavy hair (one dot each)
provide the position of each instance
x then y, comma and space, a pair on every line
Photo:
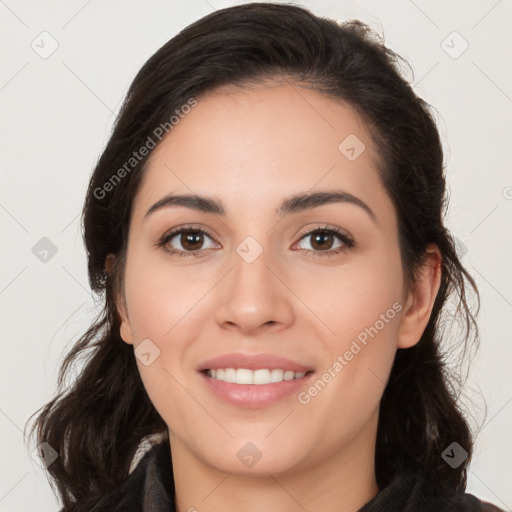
97, 421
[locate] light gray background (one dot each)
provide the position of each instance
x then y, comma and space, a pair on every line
57, 113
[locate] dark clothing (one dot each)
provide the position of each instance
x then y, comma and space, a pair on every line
150, 488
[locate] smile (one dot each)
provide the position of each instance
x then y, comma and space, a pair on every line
254, 389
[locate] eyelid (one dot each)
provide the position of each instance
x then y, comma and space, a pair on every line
188, 227
325, 227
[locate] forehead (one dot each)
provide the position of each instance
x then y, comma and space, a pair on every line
252, 146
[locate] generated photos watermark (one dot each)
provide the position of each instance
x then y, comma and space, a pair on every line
361, 341
137, 156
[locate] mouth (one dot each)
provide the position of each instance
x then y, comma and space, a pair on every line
253, 381
254, 389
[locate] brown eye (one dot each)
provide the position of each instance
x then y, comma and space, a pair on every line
325, 242
322, 240
191, 240
186, 241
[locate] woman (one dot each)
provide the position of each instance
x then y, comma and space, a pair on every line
266, 227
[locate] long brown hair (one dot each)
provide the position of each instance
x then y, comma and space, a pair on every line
97, 422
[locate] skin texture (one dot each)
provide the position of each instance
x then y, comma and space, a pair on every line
250, 149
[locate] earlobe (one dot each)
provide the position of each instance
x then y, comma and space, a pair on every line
126, 333
125, 330
420, 299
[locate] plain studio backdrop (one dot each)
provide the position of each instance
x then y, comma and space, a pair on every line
66, 68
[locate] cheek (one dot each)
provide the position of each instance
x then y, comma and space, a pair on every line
158, 300
358, 360
362, 307
355, 297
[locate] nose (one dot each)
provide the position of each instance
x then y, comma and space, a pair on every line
254, 296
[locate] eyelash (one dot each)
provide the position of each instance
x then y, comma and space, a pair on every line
347, 241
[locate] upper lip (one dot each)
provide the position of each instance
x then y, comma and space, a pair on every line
253, 362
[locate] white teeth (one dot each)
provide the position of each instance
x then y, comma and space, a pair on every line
261, 377
229, 375
243, 376
288, 375
246, 376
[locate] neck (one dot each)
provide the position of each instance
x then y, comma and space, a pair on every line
342, 482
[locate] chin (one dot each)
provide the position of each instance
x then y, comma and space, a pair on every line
256, 458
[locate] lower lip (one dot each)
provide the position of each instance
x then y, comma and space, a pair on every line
254, 396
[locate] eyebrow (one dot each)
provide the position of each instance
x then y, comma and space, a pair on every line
294, 204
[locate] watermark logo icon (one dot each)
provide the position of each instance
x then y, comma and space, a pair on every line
249, 249
44, 250
44, 455
454, 45
146, 352
454, 455
44, 45
352, 147
249, 454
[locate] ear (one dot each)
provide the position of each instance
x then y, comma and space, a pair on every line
420, 300
125, 329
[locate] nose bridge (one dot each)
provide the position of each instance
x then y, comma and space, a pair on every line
253, 296
251, 261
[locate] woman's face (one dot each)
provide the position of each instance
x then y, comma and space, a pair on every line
259, 276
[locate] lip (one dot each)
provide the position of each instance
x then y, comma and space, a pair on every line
253, 362
254, 396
